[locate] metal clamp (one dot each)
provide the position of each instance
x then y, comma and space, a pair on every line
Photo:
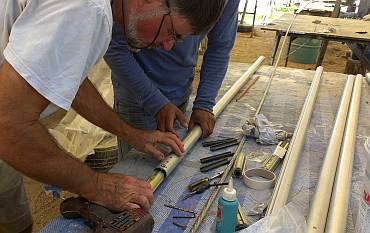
277, 156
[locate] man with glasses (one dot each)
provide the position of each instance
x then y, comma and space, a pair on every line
47, 48
152, 86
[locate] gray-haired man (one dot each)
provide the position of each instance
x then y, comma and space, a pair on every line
47, 48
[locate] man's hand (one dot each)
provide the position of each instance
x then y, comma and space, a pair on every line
145, 141
120, 192
88, 102
166, 117
204, 119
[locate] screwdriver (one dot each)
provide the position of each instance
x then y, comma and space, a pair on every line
203, 187
195, 185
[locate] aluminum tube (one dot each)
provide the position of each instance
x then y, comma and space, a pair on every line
321, 200
156, 179
337, 217
239, 165
282, 187
167, 166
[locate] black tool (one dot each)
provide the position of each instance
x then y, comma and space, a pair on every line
179, 208
223, 142
212, 165
211, 143
214, 161
224, 145
183, 226
195, 185
103, 220
216, 157
203, 188
183, 216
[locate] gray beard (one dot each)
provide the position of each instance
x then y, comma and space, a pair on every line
131, 29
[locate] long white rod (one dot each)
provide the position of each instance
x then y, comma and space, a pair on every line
167, 166
230, 94
268, 85
321, 200
282, 187
337, 217
272, 74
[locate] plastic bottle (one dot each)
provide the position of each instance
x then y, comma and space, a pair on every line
363, 217
227, 210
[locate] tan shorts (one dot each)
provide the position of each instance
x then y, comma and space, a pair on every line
15, 214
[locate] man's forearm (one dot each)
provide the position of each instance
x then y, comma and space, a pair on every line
29, 148
216, 58
89, 104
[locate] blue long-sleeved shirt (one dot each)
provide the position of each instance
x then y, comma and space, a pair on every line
154, 77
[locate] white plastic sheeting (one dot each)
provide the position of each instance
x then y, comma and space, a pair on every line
78, 136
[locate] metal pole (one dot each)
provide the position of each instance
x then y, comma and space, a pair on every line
254, 18
275, 66
337, 217
320, 204
336, 11
282, 188
244, 12
325, 43
167, 166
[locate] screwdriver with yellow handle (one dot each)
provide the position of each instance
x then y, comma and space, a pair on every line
195, 185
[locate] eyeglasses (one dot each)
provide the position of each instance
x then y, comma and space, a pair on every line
171, 31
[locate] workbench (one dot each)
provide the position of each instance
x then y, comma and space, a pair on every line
283, 106
350, 31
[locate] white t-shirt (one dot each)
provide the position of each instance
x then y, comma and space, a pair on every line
53, 44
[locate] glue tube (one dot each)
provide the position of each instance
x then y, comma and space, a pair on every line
227, 210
